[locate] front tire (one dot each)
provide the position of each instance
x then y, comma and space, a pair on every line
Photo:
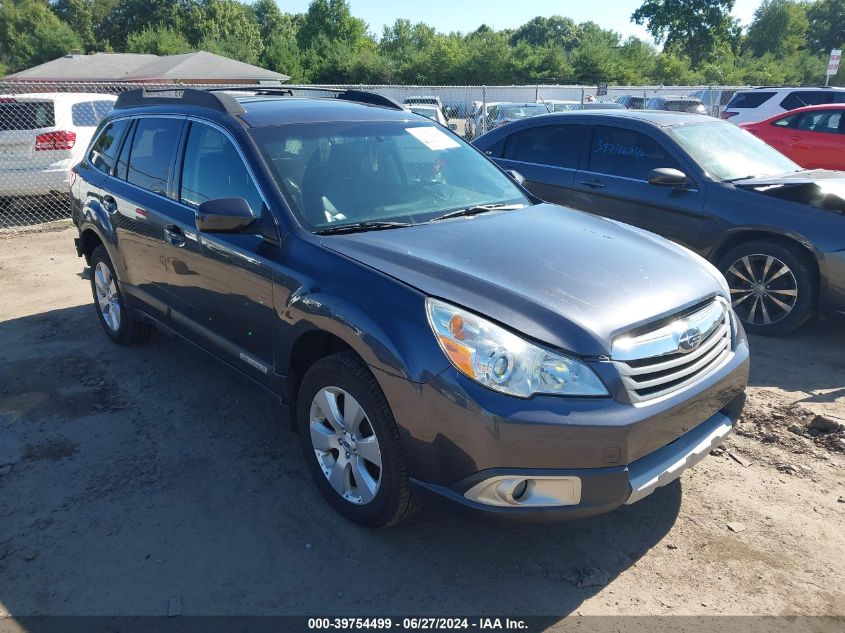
111, 305
351, 444
773, 286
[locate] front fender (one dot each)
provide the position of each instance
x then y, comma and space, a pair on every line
393, 337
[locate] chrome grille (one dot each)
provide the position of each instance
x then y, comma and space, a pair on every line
665, 359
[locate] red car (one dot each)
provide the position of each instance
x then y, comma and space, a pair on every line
813, 137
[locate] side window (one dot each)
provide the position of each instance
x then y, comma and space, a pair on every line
801, 98
213, 168
104, 150
627, 153
750, 99
152, 152
829, 121
553, 145
787, 121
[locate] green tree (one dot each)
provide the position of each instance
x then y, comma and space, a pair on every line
31, 34
693, 28
225, 27
779, 27
555, 31
160, 40
334, 20
282, 55
133, 16
827, 25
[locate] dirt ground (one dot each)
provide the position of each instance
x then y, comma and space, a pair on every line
136, 479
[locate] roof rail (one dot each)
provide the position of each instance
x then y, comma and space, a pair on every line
182, 96
359, 96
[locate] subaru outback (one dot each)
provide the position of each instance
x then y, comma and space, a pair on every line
428, 327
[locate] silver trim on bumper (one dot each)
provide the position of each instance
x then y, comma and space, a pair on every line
666, 464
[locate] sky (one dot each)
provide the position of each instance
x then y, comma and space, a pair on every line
467, 15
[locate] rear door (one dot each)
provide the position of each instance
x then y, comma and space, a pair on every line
548, 157
140, 194
615, 183
816, 141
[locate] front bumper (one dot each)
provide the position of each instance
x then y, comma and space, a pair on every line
458, 434
832, 268
602, 489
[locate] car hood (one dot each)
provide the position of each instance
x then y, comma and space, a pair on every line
567, 278
820, 188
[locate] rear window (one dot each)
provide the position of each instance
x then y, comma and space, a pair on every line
26, 115
750, 99
683, 106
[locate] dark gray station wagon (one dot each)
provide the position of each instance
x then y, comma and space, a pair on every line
428, 327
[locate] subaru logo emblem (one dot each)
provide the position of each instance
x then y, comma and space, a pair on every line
689, 340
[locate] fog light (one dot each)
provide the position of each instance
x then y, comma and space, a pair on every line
517, 491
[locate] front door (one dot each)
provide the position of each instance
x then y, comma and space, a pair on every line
223, 289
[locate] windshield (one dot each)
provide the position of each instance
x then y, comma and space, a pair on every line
341, 173
727, 152
684, 106
430, 113
521, 112
565, 107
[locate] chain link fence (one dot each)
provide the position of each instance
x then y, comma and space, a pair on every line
45, 127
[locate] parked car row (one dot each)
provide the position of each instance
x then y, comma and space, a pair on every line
775, 230
432, 329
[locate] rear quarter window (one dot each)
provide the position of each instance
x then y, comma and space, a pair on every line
26, 115
750, 99
104, 149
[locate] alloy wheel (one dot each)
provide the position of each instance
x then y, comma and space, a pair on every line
107, 298
764, 290
345, 445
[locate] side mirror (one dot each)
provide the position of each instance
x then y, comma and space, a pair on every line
517, 177
667, 177
224, 215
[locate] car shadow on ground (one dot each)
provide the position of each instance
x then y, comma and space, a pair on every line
132, 477
809, 359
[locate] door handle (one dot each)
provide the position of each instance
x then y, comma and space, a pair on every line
593, 184
174, 235
111, 204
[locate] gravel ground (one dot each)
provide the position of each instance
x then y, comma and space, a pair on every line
137, 480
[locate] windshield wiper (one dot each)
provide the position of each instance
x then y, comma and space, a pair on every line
359, 227
476, 209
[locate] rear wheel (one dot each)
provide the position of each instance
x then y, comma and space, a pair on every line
773, 286
351, 443
109, 302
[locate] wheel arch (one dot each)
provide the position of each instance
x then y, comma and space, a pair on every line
89, 239
795, 242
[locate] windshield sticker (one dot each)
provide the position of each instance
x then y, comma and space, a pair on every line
432, 138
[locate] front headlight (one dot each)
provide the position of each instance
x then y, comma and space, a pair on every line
505, 362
